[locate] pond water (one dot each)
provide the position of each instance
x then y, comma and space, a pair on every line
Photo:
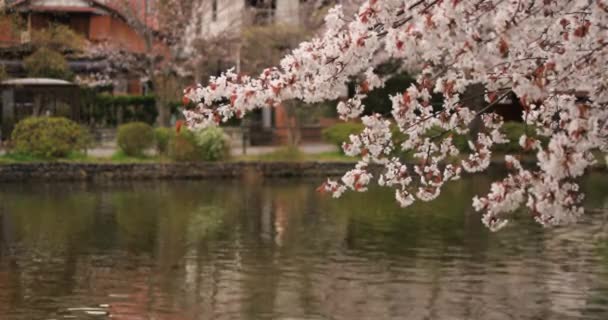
276, 249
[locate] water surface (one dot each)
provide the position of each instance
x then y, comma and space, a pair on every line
276, 249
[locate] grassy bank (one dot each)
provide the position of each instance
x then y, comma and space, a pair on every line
285, 154
279, 155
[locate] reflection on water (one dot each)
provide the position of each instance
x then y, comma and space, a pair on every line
278, 250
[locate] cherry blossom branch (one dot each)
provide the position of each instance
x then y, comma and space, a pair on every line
542, 52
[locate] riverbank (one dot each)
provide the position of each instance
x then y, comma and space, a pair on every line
72, 171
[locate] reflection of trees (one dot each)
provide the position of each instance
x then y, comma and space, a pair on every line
48, 222
42, 234
277, 249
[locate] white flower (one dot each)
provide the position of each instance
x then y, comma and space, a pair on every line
539, 56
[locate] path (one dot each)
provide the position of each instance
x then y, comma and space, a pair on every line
107, 150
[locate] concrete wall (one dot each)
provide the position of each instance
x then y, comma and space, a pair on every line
229, 17
288, 12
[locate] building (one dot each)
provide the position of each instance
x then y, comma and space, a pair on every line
111, 41
228, 19
21, 98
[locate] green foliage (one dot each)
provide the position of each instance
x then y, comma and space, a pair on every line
124, 100
379, 100
213, 144
58, 37
513, 131
47, 63
288, 153
135, 137
162, 137
183, 147
121, 157
111, 110
339, 133
209, 144
48, 137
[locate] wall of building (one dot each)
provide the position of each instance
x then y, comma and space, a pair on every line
116, 32
227, 17
7, 36
288, 12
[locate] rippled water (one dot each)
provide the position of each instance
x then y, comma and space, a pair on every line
278, 250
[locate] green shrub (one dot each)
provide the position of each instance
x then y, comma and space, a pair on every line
183, 147
209, 144
162, 137
47, 63
213, 144
513, 131
339, 133
58, 37
47, 137
135, 137
106, 108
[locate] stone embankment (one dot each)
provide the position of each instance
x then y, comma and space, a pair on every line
69, 171
64, 171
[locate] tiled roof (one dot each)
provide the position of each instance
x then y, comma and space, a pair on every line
127, 9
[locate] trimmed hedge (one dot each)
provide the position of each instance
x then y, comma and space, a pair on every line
183, 147
162, 137
213, 144
48, 137
134, 138
124, 108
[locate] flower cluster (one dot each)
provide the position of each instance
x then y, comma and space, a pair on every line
551, 56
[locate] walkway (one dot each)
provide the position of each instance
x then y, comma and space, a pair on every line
108, 150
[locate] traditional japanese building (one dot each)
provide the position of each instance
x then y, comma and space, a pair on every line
114, 54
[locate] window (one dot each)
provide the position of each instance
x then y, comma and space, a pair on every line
263, 11
214, 10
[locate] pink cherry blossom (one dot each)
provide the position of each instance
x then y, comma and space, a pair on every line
551, 55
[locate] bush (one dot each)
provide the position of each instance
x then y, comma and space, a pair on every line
183, 147
58, 37
209, 144
105, 108
135, 137
48, 137
162, 137
339, 133
47, 63
213, 144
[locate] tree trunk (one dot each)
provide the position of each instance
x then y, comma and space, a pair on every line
474, 95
